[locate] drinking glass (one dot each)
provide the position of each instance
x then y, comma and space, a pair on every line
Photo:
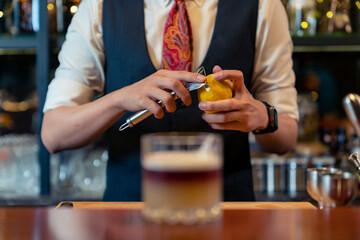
182, 180
312, 182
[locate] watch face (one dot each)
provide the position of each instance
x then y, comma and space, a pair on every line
273, 123
274, 118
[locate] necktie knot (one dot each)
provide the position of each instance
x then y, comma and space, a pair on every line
177, 43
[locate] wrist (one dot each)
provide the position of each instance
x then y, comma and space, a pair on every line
263, 119
117, 101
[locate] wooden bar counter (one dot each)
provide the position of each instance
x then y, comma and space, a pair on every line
258, 220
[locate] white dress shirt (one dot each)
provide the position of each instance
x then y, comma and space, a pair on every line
80, 76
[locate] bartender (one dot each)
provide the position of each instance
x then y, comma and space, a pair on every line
111, 66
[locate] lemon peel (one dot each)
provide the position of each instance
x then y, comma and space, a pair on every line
214, 91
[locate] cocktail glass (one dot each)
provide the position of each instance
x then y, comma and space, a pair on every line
337, 189
312, 182
182, 180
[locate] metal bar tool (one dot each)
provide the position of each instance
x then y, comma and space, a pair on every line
351, 104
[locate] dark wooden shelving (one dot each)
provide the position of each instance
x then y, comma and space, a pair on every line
327, 43
318, 43
20, 42
37, 44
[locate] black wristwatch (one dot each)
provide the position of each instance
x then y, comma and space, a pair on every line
273, 121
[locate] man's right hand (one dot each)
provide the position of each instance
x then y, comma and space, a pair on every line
145, 93
68, 127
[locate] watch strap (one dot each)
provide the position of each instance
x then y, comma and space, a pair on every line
272, 120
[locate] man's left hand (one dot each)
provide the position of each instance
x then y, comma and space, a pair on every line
242, 112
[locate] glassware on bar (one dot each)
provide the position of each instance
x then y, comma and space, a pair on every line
337, 189
182, 180
312, 183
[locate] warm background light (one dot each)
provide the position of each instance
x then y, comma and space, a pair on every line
304, 25
73, 9
329, 14
50, 6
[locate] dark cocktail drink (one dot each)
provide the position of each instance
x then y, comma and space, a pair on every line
182, 186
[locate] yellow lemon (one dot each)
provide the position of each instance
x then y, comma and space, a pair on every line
214, 91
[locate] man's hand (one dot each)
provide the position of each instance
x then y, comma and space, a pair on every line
246, 114
108, 109
146, 93
242, 112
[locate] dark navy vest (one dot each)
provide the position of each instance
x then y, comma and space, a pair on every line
127, 61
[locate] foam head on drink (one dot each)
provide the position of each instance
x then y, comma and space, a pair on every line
182, 180
180, 161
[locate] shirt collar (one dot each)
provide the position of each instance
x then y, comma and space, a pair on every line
199, 3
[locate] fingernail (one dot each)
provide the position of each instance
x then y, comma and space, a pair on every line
202, 105
217, 75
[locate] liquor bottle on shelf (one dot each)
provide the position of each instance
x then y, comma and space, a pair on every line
52, 15
65, 10
2, 21
355, 15
23, 16
339, 17
309, 117
302, 18
6, 16
59, 16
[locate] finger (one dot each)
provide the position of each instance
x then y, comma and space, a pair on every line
235, 76
221, 117
175, 85
216, 69
225, 126
220, 105
152, 106
183, 75
165, 97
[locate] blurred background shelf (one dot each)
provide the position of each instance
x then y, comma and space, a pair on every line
17, 51
327, 66
18, 42
327, 43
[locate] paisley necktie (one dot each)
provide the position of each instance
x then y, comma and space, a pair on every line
177, 44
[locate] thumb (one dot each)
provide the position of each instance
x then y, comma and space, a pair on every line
216, 69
